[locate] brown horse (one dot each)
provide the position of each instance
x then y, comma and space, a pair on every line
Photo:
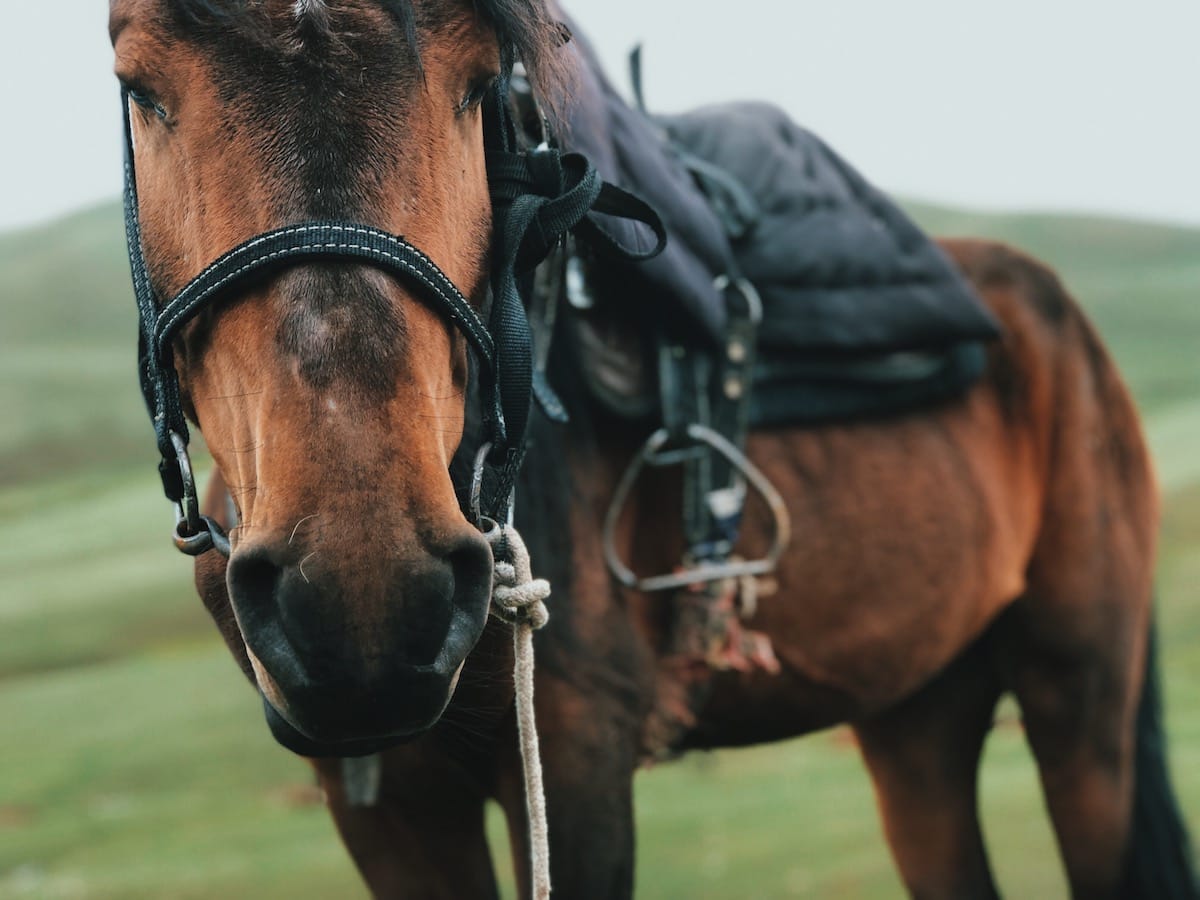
1002, 542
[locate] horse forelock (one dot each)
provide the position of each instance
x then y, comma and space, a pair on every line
527, 29
276, 24
302, 9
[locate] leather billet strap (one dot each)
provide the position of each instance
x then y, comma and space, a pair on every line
537, 197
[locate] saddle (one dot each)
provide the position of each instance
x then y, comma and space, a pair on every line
862, 314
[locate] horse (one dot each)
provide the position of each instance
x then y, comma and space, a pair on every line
1000, 542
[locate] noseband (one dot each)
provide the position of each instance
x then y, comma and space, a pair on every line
537, 197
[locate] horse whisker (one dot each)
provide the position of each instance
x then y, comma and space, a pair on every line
234, 396
297, 528
455, 396
302, 562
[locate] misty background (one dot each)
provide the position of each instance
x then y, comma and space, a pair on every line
134, 762
1065, 105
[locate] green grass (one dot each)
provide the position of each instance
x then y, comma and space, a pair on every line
148, 777
67, 377
96, 572
133, 758
1139, 282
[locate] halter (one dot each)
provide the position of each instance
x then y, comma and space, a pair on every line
537, 197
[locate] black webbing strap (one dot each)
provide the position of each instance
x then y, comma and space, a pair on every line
549, 193
322, 240
710, 390
538, 196
161, 393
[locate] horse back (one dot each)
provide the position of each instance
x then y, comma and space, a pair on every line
914, 534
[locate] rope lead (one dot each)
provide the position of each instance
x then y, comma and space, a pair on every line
519, 599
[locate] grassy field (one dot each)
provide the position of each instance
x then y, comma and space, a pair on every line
133, 758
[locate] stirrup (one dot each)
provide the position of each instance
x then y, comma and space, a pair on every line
702, 572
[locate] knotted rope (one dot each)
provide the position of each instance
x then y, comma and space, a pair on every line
519, 599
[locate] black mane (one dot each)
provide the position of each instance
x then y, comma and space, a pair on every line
526, 28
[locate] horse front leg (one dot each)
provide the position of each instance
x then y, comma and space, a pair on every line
423, 837
588, 744
923, 755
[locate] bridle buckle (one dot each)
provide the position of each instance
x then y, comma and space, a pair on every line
194, 533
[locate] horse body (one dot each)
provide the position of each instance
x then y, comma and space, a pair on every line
1002, 541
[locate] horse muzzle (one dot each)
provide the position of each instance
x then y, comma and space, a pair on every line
345, 666
340, 721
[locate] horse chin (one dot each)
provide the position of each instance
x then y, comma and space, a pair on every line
314, 743
290, 737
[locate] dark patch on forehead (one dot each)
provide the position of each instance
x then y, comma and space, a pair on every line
322, 89
288, 26
339, 326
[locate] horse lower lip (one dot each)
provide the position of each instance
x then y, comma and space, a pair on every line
347, 719
320, 714
289, 737
295, 738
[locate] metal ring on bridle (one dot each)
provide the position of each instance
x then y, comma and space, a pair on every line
194, 533
187, 507
475, 502
747, 291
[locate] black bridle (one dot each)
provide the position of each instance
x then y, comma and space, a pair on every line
537, 195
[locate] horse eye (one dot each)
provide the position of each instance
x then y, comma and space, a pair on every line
475, 96
146, 102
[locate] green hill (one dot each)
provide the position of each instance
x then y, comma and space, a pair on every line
134, 762
1139, 281
67, 374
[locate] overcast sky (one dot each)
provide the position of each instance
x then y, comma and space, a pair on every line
1047, 104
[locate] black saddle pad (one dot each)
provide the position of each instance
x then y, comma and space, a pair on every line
839, 266
791, 390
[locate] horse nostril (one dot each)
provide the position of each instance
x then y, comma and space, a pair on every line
471, 562
253, 581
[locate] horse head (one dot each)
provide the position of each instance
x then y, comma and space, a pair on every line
330, 393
